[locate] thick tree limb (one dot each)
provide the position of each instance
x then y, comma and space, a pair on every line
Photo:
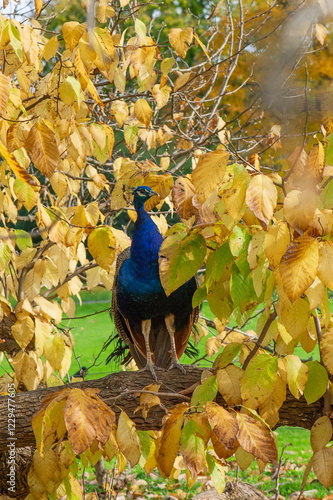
118, 391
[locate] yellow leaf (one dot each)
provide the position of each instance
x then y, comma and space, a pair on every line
4, 92
277, 239
212, 346
327, 109
181, 81
243, 458
298, 266
38, 6
234, 197
50, 48
23, 331
169, 446
295, 318
162, 95
299, 208
20, 172
28, 369
326, 350
180, 40
297, 374
209, 173
72, 32
143, 111
325, 267
316, 162
49, 309
321, 33
42, 147
315, 293
228, 381
261, 197
102, 246
254, 437
198, 41
120, 111
323, 466
273, 403
128, 439
321, 433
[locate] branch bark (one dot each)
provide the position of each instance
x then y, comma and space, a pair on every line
118, 391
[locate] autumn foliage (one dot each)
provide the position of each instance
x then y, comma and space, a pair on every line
198, 113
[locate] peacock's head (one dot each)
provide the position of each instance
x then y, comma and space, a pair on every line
142, 194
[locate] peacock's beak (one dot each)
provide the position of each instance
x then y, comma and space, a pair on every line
153, 193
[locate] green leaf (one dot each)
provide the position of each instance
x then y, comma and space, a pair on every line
219, 303
199, 295
259, 380
217, 473
5, 256
167, 64
239, 241
23, 239
15, 41
228, 355
327, 195
192, 447
241, 290
219, 264
180, 258
205, 392
317, 382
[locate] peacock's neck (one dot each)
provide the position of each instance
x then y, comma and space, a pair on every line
146, 242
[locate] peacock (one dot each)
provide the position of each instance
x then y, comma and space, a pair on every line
156, 327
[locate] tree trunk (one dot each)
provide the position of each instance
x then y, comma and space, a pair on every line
119, 391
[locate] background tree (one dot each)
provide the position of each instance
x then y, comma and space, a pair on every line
229, 119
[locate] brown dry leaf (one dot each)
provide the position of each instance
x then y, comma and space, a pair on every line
81, 418
261, 197
182, 195
223, 424
254, 437
298, 266
169, 444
